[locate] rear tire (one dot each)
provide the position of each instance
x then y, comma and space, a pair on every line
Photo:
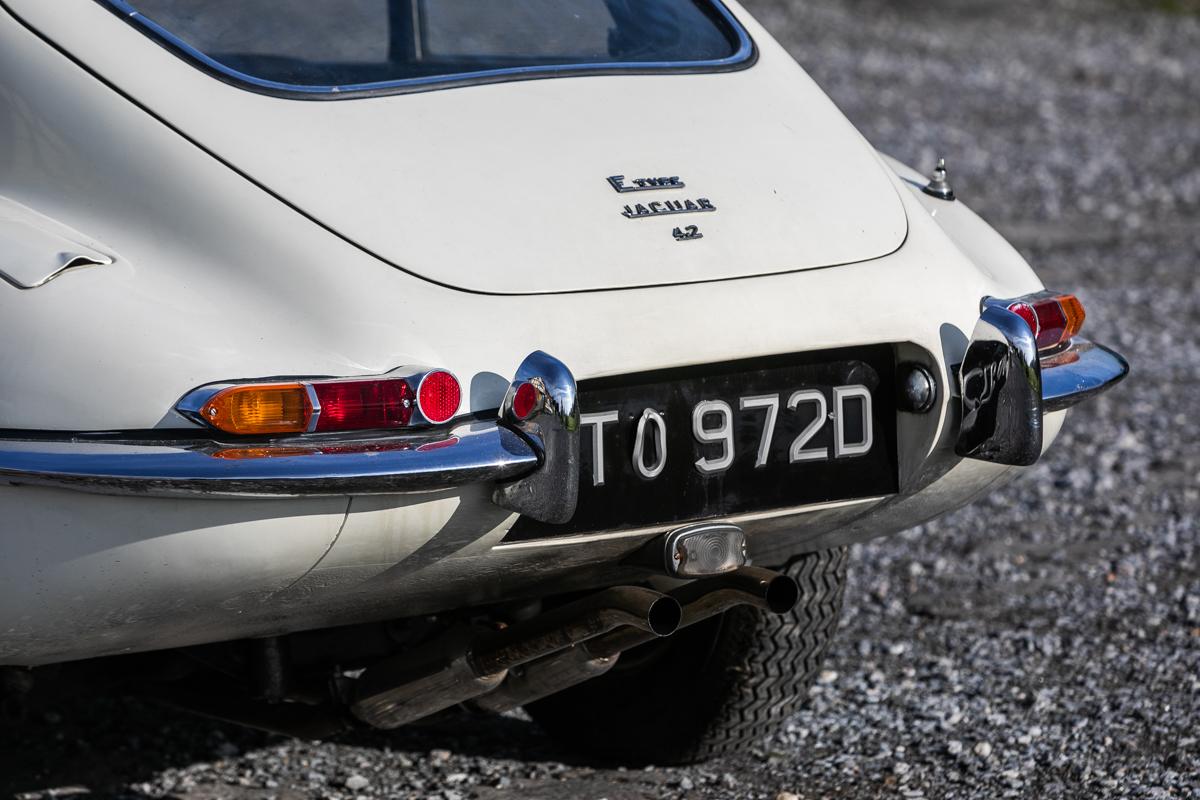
710, 689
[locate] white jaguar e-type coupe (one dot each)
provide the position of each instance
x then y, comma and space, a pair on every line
365, 359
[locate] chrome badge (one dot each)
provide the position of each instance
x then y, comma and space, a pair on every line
661, 208
618, 182
665, 207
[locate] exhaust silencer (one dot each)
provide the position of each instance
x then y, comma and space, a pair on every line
450, 671
545, 677
700, 600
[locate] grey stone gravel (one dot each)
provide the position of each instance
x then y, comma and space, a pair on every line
1044, 642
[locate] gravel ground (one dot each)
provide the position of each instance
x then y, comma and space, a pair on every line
1045, 641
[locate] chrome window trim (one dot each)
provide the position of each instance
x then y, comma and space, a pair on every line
744, 57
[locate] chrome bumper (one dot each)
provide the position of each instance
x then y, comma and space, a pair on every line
1006, 386
1081, 371
533, 462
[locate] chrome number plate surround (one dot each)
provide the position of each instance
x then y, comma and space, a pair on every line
711, 441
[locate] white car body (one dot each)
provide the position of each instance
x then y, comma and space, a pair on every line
249, 235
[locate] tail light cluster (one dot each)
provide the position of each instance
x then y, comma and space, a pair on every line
1054, 318
349, 404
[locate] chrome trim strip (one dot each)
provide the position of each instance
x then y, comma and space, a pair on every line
1083, 370
745, 56
299, 466
657, 530
315, 403
192, 403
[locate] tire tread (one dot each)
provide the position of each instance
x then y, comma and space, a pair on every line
744, 674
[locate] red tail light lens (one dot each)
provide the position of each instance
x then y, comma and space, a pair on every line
439, 396
525, 400
1053, 318
361, 405
1026, 312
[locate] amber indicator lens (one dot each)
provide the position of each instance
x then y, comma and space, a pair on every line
266, 409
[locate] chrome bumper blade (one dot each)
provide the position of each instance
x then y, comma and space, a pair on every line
471, 453
1083, 370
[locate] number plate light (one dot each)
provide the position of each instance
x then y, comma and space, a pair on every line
704, 549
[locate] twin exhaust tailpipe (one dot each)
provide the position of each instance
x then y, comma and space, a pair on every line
529, 660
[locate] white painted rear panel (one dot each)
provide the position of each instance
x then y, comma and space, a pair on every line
502, 188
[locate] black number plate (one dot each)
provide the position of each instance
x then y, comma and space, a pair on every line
731, 438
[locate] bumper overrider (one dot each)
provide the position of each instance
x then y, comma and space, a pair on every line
1006, 384
532, 458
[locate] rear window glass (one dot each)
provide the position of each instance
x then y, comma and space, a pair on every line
356, 45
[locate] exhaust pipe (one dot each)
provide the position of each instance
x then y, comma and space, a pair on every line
700, 600
456, 669
704, 598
